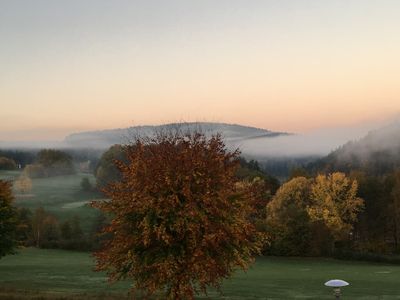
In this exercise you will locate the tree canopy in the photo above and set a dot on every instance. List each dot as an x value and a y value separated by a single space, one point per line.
335 203
307 216
8 220
55 162
7 163
106 171
50 162
287 220
180 220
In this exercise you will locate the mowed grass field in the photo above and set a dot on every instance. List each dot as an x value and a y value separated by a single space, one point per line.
61 196
67 275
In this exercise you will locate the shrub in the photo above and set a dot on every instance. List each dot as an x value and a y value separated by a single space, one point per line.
86 185
7 164
35 171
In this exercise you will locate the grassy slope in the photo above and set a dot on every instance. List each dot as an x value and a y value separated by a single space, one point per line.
60 195
64 272
9 175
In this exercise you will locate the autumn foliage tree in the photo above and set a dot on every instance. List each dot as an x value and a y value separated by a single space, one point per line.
335 203
180 220
308 216
288 222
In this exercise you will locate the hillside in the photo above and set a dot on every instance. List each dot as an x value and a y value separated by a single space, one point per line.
377 153
233 134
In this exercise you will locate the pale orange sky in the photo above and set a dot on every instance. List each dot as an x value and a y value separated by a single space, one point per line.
281 65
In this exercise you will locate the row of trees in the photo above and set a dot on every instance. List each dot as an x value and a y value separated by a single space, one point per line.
22 227
18 157
45 163
88 158
375 232
43 230
50 162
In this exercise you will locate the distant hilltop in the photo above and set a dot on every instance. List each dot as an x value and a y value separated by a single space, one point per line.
233 134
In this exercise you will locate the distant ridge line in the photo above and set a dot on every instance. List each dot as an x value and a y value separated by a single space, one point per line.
108 137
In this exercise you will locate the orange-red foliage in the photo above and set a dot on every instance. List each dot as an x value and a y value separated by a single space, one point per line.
180 220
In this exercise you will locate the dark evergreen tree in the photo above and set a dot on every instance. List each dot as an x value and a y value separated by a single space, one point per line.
8 220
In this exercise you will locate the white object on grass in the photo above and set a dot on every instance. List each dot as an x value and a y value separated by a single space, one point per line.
336 283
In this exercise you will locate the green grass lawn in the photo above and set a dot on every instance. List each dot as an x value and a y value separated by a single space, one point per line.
68 273
62 196
54 271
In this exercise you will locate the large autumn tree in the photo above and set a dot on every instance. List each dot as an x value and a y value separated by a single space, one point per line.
8 220
180 220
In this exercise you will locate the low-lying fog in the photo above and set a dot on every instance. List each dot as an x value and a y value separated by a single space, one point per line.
318 142
314 143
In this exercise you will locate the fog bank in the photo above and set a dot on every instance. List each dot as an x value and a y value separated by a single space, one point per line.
319 142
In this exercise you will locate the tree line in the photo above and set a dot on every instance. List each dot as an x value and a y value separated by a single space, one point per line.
376 230
50 162
42 229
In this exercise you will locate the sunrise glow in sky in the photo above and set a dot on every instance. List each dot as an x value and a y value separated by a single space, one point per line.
68 66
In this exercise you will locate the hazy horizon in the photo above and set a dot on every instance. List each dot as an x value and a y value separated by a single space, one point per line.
252 143
291 66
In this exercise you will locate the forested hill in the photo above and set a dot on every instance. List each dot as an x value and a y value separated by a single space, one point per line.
377 153
232 133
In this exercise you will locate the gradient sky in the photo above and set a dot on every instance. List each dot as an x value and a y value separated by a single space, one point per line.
68 66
